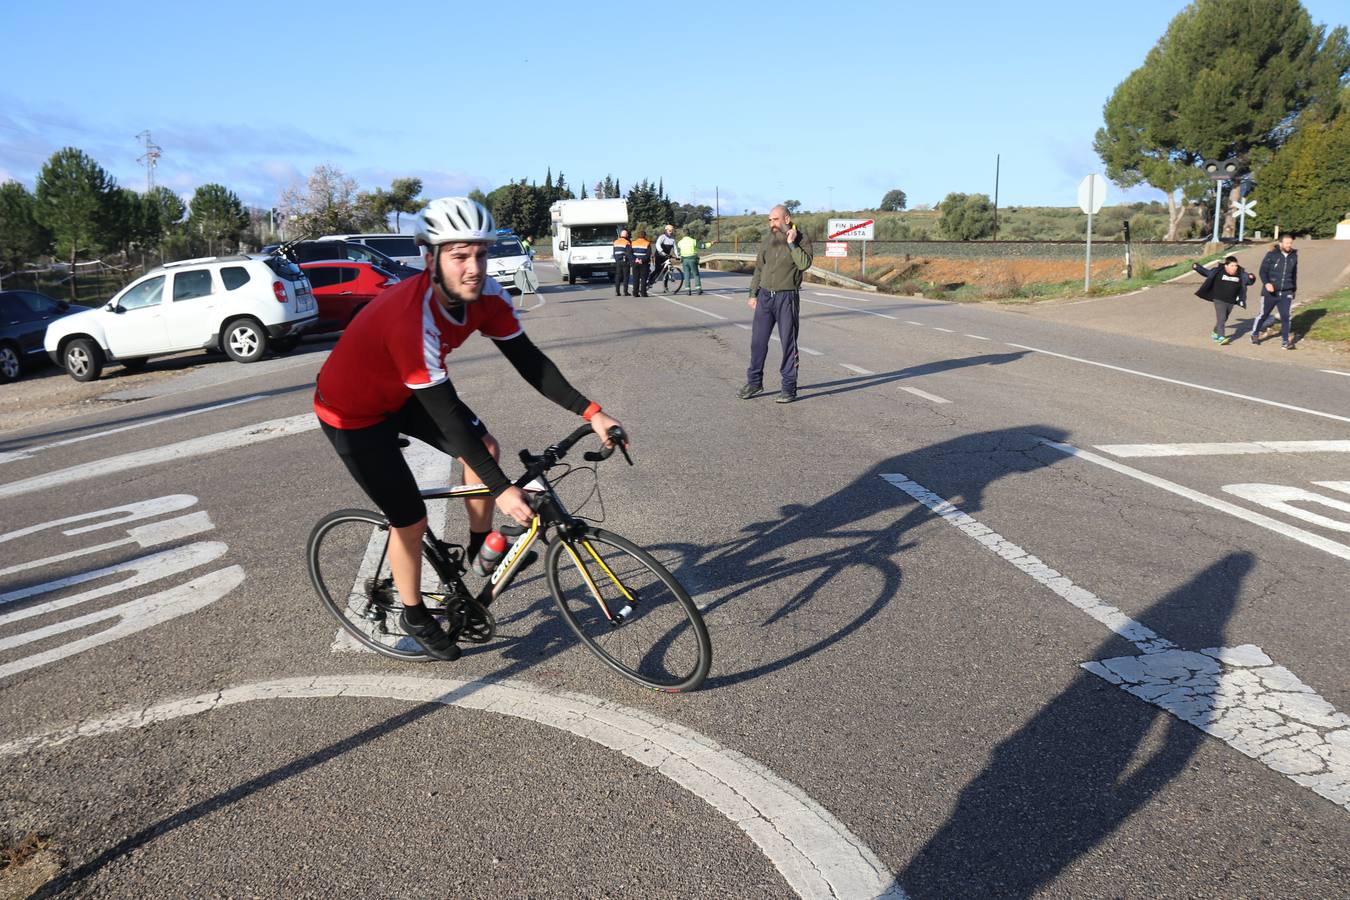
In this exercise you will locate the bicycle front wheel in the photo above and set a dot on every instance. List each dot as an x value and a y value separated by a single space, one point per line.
674 278
629 610
348 556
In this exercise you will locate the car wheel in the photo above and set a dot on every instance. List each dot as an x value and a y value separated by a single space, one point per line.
84 359
136 364
10 364
286 344
571 278
244 341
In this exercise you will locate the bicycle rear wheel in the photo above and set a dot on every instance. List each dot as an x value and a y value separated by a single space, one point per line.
629 610
675 278
349 567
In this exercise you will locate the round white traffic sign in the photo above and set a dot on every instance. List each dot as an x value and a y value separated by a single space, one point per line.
1092 194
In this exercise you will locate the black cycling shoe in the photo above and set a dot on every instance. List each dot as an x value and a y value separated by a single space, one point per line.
750 390
431 637
785 397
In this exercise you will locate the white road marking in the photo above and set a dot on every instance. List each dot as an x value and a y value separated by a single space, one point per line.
695 309
743 325
1236 694
932 398
842 296
1198 387
1281 498
248 435
977 337
807 350
814 852
1246 515
1334 372
944 330
865 312
27 452
1242 447
912 322
857 370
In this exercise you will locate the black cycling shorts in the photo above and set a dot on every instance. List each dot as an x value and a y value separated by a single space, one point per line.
374 458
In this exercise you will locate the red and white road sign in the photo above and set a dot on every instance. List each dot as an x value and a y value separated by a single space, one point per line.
836 249
850 230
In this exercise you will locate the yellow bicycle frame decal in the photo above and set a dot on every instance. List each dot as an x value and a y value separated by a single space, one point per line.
615 578
585 573
514 555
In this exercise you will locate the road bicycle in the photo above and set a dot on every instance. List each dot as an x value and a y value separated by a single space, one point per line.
626 607
671 276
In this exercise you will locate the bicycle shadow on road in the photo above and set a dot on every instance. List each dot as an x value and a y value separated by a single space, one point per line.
762 595
1087 761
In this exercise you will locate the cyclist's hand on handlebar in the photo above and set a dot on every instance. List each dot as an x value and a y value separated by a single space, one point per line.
601 424
512 503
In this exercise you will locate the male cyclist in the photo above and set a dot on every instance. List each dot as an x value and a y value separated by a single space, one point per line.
387 376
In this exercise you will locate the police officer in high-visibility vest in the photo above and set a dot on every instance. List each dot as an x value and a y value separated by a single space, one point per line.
686 248
642 263
623 262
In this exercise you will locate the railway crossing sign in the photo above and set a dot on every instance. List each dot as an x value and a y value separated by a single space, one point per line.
1242 209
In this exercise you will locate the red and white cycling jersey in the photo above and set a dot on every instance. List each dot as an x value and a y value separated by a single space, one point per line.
397 344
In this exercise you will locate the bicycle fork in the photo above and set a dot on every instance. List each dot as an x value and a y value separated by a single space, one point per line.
615 618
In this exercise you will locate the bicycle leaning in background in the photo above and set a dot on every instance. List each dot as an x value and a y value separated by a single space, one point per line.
626 607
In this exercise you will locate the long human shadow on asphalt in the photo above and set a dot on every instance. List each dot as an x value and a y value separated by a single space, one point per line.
845 385
1087 761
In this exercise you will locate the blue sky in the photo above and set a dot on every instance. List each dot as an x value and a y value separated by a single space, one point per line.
829 104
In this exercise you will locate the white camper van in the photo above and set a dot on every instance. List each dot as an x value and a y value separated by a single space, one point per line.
583 236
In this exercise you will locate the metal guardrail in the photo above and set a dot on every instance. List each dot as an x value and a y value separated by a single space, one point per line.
825 274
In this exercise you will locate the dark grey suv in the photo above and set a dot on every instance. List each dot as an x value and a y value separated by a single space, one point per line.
24 316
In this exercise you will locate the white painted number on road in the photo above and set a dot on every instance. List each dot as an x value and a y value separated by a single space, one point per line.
130 616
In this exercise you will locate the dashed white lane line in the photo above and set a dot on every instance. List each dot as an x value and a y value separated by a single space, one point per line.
696 309
175 453
865 312
931 398
944 330
1236 694
1198 387
912 322
814 852
857 370
841 296
26 452
1228 449
977 337
1246 515
1334 372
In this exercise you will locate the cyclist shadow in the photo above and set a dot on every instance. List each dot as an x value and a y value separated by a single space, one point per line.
762 574
1086 762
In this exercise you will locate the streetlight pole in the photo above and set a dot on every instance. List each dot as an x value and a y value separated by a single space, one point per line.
997 159
1220 172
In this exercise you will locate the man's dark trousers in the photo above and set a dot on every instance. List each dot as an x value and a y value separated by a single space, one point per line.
621 276
641 273
774 308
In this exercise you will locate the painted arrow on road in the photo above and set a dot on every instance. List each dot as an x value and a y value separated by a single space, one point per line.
1237 694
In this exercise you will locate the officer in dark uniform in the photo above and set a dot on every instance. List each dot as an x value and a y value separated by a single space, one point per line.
642 263
623 260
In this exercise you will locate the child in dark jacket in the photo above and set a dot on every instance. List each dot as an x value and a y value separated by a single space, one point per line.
1225 286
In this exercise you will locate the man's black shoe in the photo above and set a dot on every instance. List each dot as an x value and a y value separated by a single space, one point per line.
431 637
750 390
785 397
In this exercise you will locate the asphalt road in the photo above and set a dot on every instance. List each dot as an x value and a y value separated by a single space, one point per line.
959 596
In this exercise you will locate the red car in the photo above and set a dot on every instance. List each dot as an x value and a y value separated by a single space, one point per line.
342 287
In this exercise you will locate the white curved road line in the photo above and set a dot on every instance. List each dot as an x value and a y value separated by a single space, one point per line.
813 851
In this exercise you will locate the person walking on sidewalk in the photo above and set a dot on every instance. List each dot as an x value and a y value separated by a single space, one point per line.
1279 278
623 251
686 248
775 296
642 263
1225 285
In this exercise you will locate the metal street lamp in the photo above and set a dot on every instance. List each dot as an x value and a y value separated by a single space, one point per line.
1220 172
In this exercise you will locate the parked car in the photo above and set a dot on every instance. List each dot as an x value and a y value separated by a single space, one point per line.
401 247
301 252
24 317
240 305
505 258
342 288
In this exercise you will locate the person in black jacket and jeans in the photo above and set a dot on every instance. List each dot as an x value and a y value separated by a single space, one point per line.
1279 278
1225 286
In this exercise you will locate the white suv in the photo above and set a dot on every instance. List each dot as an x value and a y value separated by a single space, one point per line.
237 304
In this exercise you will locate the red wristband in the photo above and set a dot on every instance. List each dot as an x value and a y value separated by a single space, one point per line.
591 411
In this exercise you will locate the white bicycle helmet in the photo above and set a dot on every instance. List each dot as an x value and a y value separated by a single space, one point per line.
455 219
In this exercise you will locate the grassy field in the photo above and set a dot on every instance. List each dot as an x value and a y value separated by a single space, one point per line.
1326 320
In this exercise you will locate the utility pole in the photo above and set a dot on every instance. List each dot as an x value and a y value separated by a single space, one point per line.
150 157
997 160
717 219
